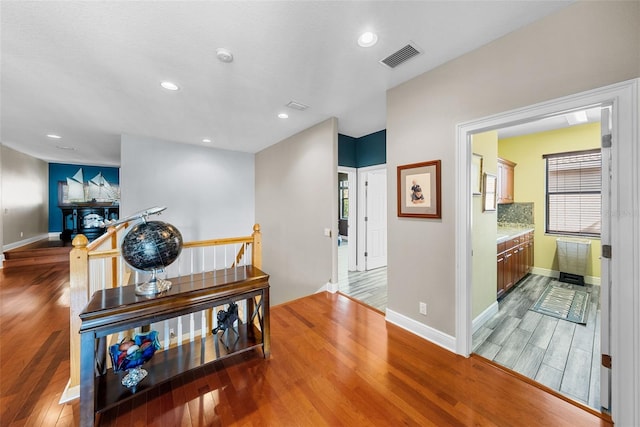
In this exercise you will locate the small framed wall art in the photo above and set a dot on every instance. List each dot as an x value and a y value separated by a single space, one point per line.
419 190
476 174
489 193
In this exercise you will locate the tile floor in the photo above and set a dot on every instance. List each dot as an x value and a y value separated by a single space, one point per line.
369 287
562 355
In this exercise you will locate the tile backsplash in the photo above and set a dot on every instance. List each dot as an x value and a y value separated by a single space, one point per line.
516 214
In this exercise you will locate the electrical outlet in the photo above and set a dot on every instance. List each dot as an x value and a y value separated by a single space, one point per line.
423 308
172 333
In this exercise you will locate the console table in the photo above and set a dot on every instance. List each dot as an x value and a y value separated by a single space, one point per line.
85 219
119 309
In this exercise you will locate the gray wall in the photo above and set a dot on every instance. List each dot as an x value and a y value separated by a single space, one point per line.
1 209
209 193
25 197
584 46
296 199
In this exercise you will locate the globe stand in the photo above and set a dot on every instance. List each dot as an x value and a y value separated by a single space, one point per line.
154 286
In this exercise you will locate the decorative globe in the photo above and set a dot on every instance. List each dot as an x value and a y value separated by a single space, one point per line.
151 246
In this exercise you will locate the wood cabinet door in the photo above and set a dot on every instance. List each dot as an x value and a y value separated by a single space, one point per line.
506 175
509 271
501 270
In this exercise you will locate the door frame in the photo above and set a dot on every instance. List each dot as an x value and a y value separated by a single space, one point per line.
352 220
624 334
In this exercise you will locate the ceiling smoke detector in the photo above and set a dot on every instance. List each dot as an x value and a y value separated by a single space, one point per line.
297 106
224 55
401 56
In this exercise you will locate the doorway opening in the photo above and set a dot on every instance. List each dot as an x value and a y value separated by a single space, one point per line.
616 343
362 239
516 264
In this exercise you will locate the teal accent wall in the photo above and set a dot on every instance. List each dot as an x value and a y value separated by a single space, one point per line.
372 149
347 151
365 151
60 172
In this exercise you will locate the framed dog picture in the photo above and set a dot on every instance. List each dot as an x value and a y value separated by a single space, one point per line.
419 190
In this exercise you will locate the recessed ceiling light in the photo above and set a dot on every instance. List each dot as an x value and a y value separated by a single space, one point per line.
224 55
169 85
283 115
53 136
367 39
206 140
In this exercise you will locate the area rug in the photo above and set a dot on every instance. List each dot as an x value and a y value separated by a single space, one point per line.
563 303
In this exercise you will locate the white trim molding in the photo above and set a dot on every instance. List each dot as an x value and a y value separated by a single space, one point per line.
25 242
485 316
623 339
69 393
329 287
428 333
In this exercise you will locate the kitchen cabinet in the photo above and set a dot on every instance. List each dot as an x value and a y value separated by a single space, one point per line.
506 171
514 260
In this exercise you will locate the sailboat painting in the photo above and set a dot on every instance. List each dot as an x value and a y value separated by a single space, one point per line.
95 190
100 190
75 187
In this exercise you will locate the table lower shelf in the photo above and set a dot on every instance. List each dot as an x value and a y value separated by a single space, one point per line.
167 364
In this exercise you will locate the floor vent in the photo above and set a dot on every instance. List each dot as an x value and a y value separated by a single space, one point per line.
401 56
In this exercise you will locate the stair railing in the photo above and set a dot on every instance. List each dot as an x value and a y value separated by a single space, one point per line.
99 265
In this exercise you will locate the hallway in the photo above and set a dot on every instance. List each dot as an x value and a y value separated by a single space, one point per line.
369 287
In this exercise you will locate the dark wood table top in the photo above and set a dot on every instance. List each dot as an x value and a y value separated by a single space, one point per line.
107 306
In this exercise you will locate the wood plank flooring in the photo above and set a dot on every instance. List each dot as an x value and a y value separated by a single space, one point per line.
559 354
368 287
45 251
334 362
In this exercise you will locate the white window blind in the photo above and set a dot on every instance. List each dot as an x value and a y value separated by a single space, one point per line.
573 193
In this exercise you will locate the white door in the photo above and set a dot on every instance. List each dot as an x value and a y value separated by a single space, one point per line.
605 263
376 219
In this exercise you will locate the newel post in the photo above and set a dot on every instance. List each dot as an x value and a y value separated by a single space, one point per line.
256 248
79 290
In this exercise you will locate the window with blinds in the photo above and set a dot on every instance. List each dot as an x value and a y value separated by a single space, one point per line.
573 193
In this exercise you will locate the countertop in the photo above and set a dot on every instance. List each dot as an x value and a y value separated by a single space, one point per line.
508 232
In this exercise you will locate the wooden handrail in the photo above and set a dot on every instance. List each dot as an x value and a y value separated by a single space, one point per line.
218 242
106 247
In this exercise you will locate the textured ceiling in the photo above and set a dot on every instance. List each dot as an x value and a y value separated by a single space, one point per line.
90 71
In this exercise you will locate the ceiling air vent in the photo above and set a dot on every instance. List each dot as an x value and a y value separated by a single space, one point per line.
401 56
297 105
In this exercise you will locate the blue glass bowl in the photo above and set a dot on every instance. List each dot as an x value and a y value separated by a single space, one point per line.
131 353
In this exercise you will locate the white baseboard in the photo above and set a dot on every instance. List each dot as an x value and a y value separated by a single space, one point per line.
485 316
54 235
428 333
25 242
69 393
328 287
591 280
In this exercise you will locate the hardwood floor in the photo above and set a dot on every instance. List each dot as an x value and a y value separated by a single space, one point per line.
43 251
559 354
334 362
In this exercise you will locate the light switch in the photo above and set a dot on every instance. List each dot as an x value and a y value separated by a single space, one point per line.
327 232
